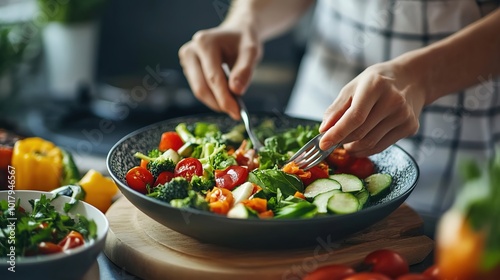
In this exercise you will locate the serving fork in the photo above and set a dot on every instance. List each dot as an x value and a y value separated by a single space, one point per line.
257 145
311 154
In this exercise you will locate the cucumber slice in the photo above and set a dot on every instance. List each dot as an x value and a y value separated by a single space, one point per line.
343 203
242 192
362 196
321 200
321 186
240 211
378 184
349 182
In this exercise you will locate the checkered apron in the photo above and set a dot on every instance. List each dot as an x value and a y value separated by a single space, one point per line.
349 35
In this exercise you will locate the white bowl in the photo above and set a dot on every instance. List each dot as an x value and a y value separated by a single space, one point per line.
71 264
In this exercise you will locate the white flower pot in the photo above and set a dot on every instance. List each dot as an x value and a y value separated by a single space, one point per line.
70 53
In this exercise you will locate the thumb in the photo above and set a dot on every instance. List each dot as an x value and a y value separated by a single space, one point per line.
241 73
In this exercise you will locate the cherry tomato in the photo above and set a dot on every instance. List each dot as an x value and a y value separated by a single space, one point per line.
317 172
414 276
433 272
187 167
387 262
170 140
330 272
361 167
163 178
72 240
367 276
339 158
138 178
47 248
231 177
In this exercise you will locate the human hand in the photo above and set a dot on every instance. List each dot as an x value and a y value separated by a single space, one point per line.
201 60
375 110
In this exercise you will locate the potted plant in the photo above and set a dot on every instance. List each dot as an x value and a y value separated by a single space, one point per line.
70 42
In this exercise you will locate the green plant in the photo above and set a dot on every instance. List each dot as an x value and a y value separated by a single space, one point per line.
71 11
11 49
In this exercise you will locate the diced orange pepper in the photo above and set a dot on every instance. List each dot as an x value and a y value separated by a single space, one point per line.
257 204
266 214
219 200
299 195
144 163
293 168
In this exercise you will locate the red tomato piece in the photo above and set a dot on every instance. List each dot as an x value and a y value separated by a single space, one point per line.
367 276
47 248
170 140
317 172
231 177
387 262
163 178
72 240
187 167
339 158
362 167
414 276
433 272
330 272
138 178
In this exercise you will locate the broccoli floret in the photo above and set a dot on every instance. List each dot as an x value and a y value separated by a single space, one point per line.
235 135
194 200
177 188
203 183
163 162
213 156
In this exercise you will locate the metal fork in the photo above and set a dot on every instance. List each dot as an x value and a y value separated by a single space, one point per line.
311 154
257 145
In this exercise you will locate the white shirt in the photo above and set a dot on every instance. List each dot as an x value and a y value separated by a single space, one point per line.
350 35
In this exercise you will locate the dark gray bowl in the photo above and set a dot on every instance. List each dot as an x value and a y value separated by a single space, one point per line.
217 229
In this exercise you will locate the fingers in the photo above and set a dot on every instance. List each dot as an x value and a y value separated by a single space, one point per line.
363 99
192 70
248 56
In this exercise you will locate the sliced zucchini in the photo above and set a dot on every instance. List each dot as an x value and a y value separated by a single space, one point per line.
321 200
321 186
378 184
363 197
240 211
343 203
349 182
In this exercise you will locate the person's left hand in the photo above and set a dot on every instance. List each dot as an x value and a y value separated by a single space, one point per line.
375 110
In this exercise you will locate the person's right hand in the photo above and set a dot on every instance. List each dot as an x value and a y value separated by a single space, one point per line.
202 58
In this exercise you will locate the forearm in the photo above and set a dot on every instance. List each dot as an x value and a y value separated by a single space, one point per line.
268 18
458 61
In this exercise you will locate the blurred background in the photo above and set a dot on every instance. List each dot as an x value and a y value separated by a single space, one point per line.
84 73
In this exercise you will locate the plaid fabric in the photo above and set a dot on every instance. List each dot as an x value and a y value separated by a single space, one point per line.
350 35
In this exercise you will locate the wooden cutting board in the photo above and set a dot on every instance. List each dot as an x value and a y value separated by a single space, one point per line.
149 250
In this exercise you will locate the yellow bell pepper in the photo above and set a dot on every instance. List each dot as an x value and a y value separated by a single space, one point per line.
99 190
38 164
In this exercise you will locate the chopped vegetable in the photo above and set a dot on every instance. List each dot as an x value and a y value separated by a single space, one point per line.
163 162
177 188
38 164
99 189
43 230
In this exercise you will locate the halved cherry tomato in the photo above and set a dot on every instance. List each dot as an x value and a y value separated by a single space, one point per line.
138 178
387 262
367 276
47 248
72 240
170 140
187 167
164 177
361 167
330 272
339 158
231 177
